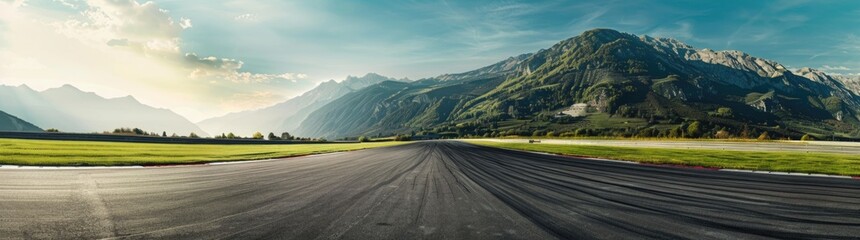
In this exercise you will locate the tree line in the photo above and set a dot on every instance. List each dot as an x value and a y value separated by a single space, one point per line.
284 136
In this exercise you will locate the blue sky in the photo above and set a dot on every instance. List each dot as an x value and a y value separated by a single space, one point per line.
426 38
206 58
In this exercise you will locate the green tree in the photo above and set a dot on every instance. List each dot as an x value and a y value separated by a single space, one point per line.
675 132
273 137
694 130
193 135
363 139
231 136
724 112
257 135
579 132
806 137
286 136
745 133
52 130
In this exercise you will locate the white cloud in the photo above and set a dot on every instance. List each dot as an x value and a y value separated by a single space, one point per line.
681 30
835 68
247 17
151 30
67 3
142 27
148 29
124 47
185 23
229 69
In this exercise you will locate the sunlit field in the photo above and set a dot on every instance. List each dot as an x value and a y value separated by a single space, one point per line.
826 163
84 153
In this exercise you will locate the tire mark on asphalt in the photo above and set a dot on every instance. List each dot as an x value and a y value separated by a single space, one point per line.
551 190
89 195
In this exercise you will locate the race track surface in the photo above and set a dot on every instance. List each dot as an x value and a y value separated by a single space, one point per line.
431 189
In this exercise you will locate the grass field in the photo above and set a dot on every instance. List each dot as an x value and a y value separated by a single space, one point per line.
826 163
83 153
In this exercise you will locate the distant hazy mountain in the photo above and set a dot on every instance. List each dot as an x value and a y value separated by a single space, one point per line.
394 106
15 124
286 116
71 110
661 81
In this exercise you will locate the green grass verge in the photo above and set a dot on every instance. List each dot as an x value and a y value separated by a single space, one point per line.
826 163
84 153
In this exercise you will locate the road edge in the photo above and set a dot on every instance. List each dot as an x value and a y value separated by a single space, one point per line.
799 174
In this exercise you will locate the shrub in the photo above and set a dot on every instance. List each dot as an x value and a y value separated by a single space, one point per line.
724 112
763 136
401 138
694 130
722 134
806 137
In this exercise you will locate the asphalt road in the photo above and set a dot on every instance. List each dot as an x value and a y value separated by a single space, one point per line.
434 190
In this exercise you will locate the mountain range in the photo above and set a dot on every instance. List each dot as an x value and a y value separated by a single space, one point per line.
632 86
286 116
600 83
15 124
69 109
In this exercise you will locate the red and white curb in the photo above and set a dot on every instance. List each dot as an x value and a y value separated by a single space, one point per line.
697 167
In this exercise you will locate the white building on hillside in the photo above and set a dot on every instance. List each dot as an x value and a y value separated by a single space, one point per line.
577 110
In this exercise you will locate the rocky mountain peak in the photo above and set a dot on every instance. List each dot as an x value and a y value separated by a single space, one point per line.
368 79
730 58
509 65
739 60
811 74
851 82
